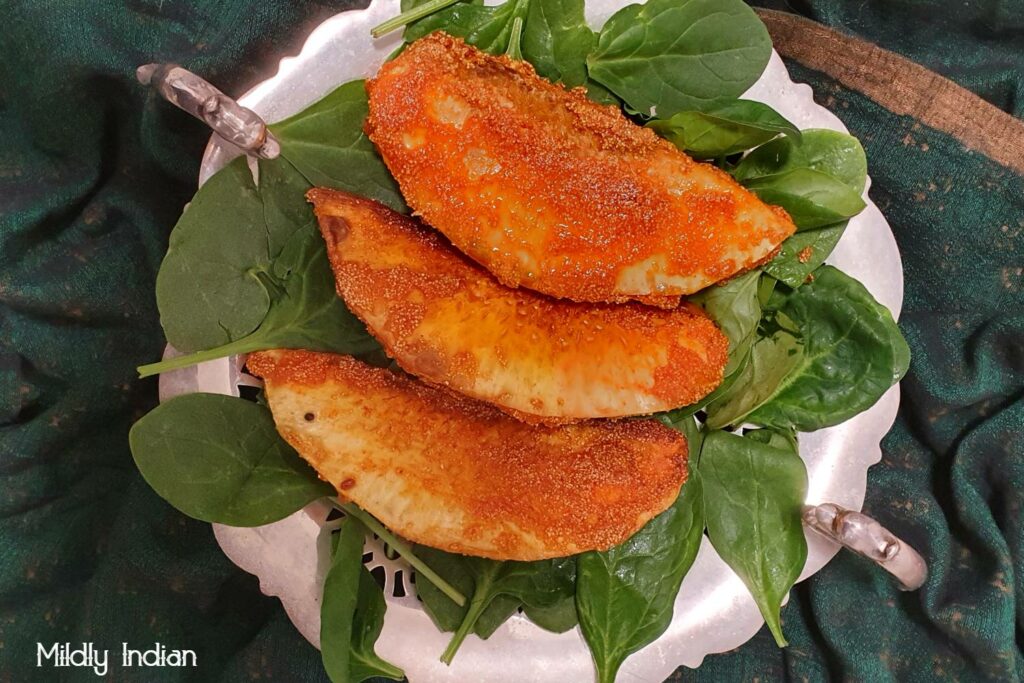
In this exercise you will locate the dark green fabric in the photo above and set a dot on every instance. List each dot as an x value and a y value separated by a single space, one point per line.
951 480
93 173
980 45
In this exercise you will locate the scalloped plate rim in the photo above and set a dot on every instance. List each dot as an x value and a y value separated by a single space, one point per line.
248 548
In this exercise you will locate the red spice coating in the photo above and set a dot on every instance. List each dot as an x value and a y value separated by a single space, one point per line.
446 320
553 192
460 475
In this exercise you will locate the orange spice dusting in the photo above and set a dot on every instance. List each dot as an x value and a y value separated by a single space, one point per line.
446 320
553 192
519 491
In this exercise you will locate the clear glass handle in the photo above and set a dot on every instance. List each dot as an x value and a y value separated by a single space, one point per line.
238 125
866 537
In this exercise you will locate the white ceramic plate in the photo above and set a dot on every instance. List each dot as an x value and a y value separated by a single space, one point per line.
713 612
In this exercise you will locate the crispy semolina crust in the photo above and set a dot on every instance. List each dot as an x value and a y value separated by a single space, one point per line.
553 192
460 475
447 321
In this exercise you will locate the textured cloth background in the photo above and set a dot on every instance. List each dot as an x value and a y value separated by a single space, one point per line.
94 172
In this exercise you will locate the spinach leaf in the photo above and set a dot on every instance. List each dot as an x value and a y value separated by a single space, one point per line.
818 149
446 613
778 438
600 94
776 299
753 494
220 459
352 613
813 199
501 609
208 289
515 36
489 28
411 12
305 312
734 307
724 129
836 154
625 595
772 359
668 56
497 590
325 142
766 288
557 40
557 618
852 353
683 421
802 253
245 269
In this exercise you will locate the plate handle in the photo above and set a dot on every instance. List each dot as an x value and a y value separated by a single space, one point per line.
238 125
866 537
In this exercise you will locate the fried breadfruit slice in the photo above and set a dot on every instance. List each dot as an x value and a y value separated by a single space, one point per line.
446 320
554 192
460 475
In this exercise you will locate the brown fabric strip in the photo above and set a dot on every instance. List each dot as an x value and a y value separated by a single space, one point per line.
900 85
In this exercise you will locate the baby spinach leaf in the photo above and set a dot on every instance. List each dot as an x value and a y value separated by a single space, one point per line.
724 129
557 40
515 34
411 12
600 94
802 253
220 459
753 494
325 142
682 420
208 289
734 307
766 288
778 438
818 149
487 575
668 56
501 609
538 583
852 353
771 360
836 154
244 259
446 614
352 613
557 618
489 28
770 320
811 198
625 595
305 311
497 590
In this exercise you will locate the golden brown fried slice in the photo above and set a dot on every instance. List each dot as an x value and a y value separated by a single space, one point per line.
456 474
445 319
553 192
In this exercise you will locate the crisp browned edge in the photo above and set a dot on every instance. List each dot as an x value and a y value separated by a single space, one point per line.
900 85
